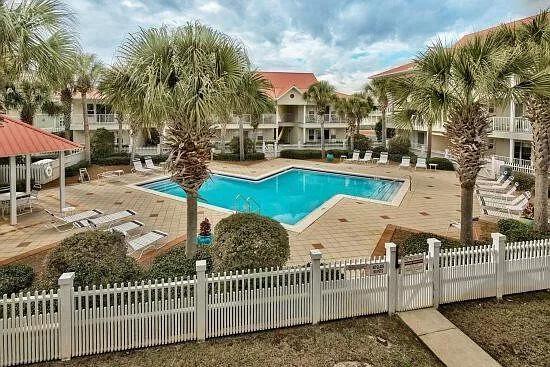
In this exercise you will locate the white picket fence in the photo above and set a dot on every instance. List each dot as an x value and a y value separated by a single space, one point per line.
82 321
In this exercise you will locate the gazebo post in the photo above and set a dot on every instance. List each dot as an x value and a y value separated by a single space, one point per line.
61 182
13 192
28 174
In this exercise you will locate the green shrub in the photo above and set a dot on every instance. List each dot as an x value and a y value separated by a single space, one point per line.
526 181
377 150
96 257
15 278
114 160
337 152
175 263
249 241
102 143
75 169
417 243
400 144
378 129
361 142
398 157
517 231
235 148
300 153
443 164
159 158
256 156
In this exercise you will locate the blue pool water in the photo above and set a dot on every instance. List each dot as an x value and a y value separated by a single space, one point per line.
288 196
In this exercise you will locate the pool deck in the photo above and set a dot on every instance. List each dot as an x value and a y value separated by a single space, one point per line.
349 229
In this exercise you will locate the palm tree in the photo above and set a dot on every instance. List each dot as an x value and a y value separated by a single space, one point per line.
354 109
379 90
30 97
88 72
529 88
186 78
322 94
344 110
36 42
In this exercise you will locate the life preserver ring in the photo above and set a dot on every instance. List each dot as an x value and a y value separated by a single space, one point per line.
48 171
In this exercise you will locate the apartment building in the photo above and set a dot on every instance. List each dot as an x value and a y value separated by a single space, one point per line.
510 137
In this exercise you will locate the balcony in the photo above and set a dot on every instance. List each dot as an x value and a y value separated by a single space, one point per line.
53 124
502 125
326 118
96 121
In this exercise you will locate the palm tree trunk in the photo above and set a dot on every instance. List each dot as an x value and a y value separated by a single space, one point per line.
87 151
120 132
191 243
67 101
241 139
384 126
429 143
466 213
224 132
322 137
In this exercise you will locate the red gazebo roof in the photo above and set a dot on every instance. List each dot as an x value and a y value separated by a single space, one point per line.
19 138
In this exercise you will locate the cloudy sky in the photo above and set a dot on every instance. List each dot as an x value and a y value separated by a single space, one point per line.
342 41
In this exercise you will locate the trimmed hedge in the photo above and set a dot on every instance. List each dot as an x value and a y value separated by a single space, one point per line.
15 278
75 169
443 164
526 181
517 231
102 143
97 257
235 146
175 263
258 156
399 145
114 160
377 150
417 243
249 241
310 153
361 142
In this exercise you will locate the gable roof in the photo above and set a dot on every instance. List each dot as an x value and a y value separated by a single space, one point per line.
395 70
19 138
283 81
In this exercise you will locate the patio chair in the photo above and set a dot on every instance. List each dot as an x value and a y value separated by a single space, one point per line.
83 175
150 165
144 242
498 181
367 157
126 228
383 158
139 169
497 187
70 220
354 157
106 220
499 195
405 162
504 202
504 210
421 163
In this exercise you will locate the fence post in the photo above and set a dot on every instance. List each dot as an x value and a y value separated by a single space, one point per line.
316 256
391 259
65 310
434 246
200 300
499 247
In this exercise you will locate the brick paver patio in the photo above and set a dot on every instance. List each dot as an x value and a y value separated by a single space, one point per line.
350 229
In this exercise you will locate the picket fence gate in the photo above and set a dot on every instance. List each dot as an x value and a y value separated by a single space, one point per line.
82 321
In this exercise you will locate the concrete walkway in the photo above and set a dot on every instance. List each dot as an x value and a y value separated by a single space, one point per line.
445 340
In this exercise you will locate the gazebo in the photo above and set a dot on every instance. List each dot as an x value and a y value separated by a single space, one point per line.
20 139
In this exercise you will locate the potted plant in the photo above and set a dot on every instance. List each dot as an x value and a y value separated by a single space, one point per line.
205 233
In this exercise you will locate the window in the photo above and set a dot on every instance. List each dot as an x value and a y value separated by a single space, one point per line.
90 109
327 134
260 138
522 150
519 110
310 134
421 137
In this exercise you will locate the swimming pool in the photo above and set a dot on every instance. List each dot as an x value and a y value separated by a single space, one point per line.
287 196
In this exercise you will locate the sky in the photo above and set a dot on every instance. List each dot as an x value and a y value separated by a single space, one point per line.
342 41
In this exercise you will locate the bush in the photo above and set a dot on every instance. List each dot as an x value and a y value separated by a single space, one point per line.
102 143
96 257
378 129
249 241
256 156
159 158
175 263
400 144
235 147
517 231
398 157
300 154
526 181
75 169
377 150
361 142
114 160
21 185
417 243
443 164
15 278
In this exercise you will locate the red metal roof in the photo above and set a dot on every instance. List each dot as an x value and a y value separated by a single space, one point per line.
486 31
396 70
282 81
19 138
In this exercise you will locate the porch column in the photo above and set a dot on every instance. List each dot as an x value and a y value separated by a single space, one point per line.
28 174
61 182
13 192
511 151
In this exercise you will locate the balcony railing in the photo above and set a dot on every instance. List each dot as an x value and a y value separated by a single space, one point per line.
327 118
46 122
102 118
502 124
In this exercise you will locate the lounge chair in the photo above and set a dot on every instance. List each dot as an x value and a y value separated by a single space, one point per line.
126 228
498 181
383 158
499 195
138 168
150 165
504 210
496 202
405 162
367 157
497 187
354 157
421 163
145 241
70 221
106 220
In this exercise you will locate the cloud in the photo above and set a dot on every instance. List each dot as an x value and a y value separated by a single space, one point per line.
340 41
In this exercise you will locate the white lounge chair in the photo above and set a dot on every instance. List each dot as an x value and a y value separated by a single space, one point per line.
504 196
496 202
504 210
405 162
106 220
145 241
138 168
421 163
367 157
383 158
69 221
127 227
150 165
498 181
497 187
354 157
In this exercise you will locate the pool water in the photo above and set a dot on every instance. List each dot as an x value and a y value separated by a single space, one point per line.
288 196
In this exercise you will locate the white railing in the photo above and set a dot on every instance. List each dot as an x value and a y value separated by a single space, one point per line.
101 118
326 118
268 118
44 121
522 125
81 321
516 164
502 124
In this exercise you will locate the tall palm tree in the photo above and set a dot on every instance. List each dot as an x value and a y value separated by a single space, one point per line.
533 39
344 111
183 77
322 94
354 109
37 42
29 97
88 73
379 90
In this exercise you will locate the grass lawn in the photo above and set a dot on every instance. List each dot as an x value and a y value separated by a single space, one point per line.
377 340
514 331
